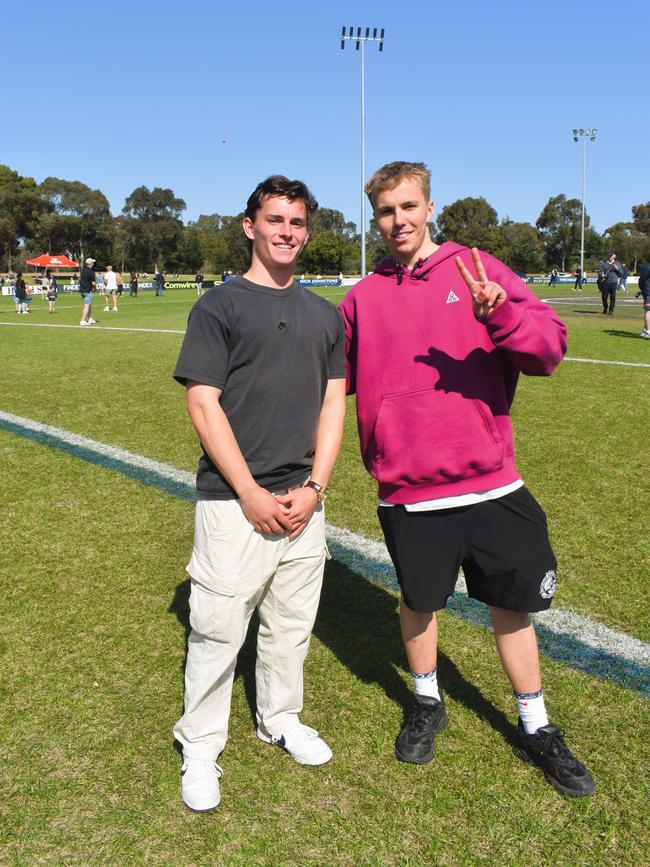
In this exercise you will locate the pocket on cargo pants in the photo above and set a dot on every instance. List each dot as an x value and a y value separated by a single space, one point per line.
212 610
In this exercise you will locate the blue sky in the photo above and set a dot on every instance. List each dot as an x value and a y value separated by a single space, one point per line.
208 98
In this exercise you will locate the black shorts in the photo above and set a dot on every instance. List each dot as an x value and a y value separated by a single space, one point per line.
502 545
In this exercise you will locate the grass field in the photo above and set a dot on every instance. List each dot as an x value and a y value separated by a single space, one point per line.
94 623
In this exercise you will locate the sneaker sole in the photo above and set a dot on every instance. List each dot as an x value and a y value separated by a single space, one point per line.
571 793
440 726
327 757
202 809
412 761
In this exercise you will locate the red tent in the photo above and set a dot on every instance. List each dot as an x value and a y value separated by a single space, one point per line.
47 261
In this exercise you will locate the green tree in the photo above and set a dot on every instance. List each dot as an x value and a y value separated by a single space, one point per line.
214 252
207 224
518 245
330 220
74 217
154 226
214 249
114 238
188 256
324 254
469 221
559 224
630 245
641 217
376 250
20 209
232 234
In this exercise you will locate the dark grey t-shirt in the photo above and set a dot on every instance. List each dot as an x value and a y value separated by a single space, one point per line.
272 352
86 280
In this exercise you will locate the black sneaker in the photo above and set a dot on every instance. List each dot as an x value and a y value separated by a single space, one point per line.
416 742
547 750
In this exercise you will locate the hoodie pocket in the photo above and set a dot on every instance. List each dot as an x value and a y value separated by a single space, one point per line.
435 436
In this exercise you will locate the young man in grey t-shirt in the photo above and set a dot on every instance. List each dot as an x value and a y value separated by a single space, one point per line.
264 367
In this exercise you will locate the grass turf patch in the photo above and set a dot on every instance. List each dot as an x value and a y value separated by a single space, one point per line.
95 624
94 614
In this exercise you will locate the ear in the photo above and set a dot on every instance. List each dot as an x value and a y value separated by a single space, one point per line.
247 225
431 209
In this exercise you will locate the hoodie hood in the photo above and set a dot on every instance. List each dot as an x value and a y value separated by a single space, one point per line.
390 267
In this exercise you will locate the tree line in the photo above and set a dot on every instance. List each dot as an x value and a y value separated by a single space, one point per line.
62 216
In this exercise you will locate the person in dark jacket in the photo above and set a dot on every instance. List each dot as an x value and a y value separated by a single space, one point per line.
644 291
609 274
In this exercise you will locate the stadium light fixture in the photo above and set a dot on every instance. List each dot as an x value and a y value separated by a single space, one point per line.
583 134
348 35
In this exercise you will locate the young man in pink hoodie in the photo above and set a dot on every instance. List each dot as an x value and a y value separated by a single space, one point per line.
436 338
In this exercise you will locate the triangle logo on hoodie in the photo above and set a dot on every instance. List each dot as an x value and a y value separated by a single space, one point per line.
452 297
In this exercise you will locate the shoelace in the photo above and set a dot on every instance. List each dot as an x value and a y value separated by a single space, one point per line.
305 732
301 732
555 747
419 719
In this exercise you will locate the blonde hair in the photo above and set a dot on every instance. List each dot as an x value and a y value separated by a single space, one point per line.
388 177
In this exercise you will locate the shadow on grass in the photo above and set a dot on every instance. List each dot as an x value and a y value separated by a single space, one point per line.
358 621
615 333
589 312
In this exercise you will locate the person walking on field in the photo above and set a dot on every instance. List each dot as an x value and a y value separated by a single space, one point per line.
159 282
87 284
110 289
199 283
133 285
580 276
436 339
609 274
263 364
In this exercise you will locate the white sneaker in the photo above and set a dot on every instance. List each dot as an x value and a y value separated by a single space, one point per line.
645 334
200 784
83 322
114 310
106 309
92 321
302 743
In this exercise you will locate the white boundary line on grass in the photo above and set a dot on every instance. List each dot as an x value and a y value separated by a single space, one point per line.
601 361
93 327
172 331
577 637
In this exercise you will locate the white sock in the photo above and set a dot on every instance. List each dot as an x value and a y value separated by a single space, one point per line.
426 684
532 711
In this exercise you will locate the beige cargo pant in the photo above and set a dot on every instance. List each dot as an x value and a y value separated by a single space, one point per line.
234 570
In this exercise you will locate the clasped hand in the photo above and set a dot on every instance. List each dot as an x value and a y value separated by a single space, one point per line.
277 515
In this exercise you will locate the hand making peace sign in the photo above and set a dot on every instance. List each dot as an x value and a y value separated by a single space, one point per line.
486 295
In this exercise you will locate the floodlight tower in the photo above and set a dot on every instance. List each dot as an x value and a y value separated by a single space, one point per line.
583 134
360 41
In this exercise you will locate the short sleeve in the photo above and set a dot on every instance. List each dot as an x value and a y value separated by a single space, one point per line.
205 352
337 363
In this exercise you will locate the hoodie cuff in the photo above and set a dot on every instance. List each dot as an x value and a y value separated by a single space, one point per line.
503 321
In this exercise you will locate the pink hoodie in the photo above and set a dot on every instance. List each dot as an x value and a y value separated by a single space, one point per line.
434 386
